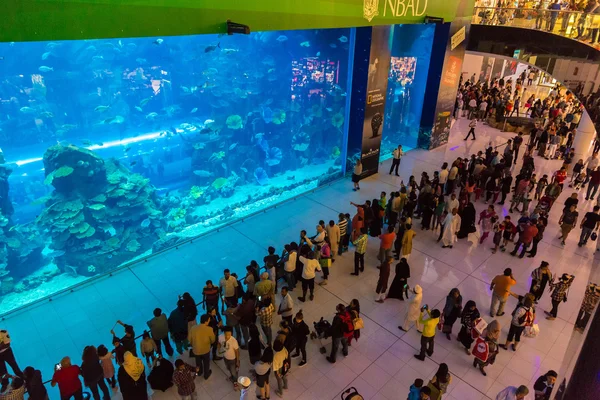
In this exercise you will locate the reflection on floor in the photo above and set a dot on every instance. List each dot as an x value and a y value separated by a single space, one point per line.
381 364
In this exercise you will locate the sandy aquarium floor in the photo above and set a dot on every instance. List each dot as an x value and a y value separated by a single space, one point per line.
381 364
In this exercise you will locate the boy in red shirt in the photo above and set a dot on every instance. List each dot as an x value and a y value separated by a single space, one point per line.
560 176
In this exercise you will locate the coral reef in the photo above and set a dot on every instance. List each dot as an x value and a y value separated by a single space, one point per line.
100 223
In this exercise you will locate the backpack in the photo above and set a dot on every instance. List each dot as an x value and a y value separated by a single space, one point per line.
527 318
347 326
481 350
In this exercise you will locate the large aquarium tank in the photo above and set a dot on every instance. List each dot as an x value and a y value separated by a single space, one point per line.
112 150
407 80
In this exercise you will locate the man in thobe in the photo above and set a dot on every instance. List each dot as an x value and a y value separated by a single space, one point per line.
451 226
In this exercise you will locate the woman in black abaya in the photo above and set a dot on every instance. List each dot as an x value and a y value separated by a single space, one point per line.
399 288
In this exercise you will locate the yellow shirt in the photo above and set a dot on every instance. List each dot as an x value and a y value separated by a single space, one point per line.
201 337
429 324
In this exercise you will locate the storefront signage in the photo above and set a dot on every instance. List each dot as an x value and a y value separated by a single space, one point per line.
36 20
458 38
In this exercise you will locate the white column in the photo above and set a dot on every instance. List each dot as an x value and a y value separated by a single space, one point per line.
584 137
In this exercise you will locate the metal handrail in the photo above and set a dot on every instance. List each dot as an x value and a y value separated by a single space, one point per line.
572 24
176 246
135 338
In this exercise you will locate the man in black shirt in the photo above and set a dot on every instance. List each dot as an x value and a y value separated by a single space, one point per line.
517 142
590 222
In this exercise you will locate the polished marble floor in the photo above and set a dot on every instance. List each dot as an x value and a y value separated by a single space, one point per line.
381 365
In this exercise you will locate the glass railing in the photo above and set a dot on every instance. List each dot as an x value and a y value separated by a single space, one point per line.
577 25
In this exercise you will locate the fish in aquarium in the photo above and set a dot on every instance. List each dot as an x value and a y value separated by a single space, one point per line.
117 148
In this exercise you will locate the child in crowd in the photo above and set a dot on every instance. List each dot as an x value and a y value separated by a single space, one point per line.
108 367
415 390
541 186
383 200
579 181
148 348
497 229
508 233
577 169
532 183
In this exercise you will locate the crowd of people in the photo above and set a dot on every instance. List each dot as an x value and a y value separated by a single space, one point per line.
238 313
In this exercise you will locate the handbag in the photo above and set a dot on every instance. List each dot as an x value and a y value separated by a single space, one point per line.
481 350
594 236
358 323
325 262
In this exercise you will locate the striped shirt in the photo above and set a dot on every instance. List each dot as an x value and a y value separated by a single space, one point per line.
343 225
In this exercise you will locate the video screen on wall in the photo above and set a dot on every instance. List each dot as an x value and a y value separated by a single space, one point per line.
402 71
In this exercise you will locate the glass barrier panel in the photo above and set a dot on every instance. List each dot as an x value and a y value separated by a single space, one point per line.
112 150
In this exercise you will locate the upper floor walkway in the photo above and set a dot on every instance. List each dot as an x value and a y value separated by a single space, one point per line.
576 25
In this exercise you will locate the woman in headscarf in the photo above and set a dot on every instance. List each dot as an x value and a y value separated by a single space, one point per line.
399 288
132 379
377 221
468 319
492 335
467 225
452 311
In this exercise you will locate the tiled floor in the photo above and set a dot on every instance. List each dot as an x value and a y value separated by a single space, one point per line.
381 364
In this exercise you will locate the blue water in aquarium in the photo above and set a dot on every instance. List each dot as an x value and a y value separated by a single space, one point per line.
114 149
409 67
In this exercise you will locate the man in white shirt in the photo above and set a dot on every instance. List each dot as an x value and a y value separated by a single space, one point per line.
397 154
443 176
228 285
452 177
472 126
310 265
451 203
590 166
472 108
514 393
228 346
483 109
289 266
286 306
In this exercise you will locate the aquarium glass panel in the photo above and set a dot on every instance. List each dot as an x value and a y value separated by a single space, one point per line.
411 52
112 150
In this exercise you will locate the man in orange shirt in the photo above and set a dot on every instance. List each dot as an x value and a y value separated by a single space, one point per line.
385 247
500 288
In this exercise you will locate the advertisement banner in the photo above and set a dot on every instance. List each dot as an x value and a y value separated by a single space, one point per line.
38 20
455 53
379 65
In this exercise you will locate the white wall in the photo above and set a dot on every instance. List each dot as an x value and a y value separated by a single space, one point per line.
471 65
571 72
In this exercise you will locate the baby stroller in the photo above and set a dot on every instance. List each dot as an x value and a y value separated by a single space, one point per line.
321 331
545 204
351 394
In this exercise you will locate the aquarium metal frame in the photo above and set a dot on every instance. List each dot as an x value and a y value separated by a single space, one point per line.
351 48
129 264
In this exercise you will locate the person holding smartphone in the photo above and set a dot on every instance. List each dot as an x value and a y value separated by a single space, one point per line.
428 334
66 376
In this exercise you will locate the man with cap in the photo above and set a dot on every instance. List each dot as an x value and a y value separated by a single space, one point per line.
245 391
